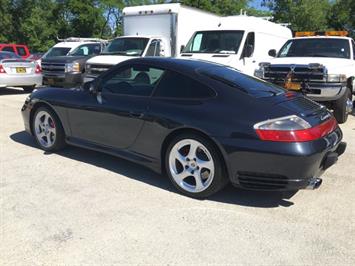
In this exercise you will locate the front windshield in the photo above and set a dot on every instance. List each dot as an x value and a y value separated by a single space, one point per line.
316 47
216 42
126 46
248 84
57 51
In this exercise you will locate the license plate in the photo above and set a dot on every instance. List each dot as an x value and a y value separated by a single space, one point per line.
20 70
293 86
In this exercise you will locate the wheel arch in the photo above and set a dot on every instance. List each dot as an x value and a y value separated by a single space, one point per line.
222 154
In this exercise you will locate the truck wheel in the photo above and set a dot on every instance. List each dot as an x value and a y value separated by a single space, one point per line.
343 107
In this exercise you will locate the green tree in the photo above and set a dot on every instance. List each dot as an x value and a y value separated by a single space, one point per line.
6 26
303 15
342 15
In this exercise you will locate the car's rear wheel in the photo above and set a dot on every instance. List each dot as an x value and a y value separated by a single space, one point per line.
343 106
28 88
48 130
195 166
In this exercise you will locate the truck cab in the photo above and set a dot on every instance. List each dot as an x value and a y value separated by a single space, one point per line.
321 67
124 48
64 64
237 41
19 49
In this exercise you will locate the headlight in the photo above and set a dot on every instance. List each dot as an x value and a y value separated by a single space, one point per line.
72 67
336 78
259 73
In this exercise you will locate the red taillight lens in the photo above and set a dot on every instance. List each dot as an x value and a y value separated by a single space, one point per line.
298 131
38 69
2 70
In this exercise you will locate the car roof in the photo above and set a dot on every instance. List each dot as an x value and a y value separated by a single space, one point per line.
180 64
322 37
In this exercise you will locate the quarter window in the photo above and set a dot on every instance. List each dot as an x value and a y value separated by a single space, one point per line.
249 45
132 80
175 85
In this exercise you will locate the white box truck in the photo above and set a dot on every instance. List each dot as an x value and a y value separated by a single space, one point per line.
151 30
238 41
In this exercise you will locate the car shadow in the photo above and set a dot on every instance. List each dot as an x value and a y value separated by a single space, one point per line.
12 91
229 195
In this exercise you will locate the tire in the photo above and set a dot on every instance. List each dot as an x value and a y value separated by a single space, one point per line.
48 130
28 88
341 111
200 176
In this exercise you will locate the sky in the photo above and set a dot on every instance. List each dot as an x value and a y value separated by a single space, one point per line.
257 4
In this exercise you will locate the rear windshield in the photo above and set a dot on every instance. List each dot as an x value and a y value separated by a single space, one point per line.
316 47
57 51
250 85
8 55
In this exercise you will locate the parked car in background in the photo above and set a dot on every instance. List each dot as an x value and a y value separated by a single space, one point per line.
64 64
322 67
151 30
237 41
201 123
19 49
17 72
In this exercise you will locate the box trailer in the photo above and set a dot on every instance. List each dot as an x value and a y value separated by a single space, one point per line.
151 30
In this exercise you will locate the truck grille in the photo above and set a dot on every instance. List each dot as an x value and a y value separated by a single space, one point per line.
278 73
97 69
53 68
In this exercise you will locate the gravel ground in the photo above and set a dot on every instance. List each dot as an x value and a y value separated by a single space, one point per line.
80 207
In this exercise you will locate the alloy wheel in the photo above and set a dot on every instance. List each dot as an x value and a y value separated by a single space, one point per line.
191 165
45 129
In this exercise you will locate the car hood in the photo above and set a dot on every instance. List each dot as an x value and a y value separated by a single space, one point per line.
109 59
333 65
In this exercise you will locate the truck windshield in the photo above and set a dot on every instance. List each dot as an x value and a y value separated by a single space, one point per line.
248 84
216 42
57 51
316 47
126 46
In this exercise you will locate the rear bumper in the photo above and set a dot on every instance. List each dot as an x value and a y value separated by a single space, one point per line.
280 166
65 80
21 80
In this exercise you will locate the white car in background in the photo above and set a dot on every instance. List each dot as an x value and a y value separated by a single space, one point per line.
17 72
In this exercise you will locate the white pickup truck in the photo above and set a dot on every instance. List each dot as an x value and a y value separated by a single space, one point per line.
322 67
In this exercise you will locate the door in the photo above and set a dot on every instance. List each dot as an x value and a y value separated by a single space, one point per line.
116 115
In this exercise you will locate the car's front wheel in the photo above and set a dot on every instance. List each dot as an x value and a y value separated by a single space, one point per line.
195 166
48 130
343 107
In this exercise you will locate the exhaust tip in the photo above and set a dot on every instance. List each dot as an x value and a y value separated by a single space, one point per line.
314 183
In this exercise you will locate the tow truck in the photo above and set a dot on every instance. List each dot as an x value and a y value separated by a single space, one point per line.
321 65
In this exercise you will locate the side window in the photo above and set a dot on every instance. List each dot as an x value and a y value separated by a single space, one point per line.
21 51
353 43
8 49
175 85
132 80
154 48
249 45
94 49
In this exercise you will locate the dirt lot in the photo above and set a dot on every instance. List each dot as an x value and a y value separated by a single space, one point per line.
80 207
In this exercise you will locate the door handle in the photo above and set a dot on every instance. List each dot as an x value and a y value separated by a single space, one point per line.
136 115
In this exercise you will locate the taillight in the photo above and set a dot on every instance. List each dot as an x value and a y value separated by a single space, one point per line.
38 69
2 70
293 129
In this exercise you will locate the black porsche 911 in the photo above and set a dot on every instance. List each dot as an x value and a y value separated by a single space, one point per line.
202 124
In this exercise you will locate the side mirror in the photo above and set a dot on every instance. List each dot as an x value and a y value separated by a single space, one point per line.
90 86
272 53
182 48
